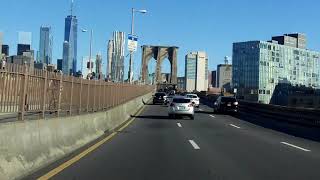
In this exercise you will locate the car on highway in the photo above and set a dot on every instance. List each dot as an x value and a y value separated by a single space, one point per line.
195 99
226 104
159 98
181 106
169 99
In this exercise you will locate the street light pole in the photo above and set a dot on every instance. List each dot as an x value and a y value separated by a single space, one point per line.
130 73
90 51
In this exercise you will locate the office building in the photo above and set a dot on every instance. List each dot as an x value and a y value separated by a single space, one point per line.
98 69
117 63
23 48
70 44
1 41
209 79
214 78
224 75
109 58
260 66
181 82
59 64
27 58
45 45
196 71
67 63
296 40
24 42
5 49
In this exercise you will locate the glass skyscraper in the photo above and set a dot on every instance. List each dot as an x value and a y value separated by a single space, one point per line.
45 45
70 45
260 66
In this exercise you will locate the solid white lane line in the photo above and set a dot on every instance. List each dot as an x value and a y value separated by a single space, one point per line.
179 125
234 126
303 149
212 116
195 145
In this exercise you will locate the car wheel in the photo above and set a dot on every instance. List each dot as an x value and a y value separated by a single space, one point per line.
192 117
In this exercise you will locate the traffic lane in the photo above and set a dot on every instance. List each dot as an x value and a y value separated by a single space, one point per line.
153 147
255 157
266 134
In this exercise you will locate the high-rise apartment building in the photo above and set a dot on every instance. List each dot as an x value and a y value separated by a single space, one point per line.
259 67
117 63
70 50
45 45
196 71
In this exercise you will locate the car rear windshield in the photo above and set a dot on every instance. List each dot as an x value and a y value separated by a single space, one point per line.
160 94
192 96
228 99
181 100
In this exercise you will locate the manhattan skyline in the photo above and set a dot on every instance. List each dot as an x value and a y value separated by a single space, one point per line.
201 25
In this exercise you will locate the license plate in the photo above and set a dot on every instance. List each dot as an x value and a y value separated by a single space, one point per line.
181 108
229 105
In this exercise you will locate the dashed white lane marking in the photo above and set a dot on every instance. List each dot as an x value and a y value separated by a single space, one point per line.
179 125
291 145
194 144
234 126
212 116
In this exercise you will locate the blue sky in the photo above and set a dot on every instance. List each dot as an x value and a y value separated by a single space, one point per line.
208 25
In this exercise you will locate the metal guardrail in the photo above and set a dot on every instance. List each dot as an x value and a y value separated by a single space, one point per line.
25 90
302 116
309 117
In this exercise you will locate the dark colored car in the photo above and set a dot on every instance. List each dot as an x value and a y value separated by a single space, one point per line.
159 98
226 104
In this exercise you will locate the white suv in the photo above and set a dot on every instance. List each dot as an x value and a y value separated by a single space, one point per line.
195 99
181 106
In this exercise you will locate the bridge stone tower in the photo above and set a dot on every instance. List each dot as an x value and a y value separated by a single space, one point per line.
159 53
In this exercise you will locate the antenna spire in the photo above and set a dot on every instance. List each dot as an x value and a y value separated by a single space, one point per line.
71 10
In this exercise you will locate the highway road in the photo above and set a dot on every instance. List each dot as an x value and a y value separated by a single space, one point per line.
211 147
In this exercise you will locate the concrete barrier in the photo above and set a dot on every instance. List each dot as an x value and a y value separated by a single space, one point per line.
30 145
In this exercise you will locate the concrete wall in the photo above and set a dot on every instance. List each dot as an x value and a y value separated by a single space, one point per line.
28 146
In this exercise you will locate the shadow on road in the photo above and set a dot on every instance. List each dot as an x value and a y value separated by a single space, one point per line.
307 132
203 112
151 117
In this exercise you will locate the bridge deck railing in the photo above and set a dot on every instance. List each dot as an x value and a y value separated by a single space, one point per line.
24 90
302 116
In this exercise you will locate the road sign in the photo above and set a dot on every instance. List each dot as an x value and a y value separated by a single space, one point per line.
132 43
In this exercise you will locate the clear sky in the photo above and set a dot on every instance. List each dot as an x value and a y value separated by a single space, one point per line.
208 25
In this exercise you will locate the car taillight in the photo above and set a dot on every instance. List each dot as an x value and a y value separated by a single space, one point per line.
171 105
235 103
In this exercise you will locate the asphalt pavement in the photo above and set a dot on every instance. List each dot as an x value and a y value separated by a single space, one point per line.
212 146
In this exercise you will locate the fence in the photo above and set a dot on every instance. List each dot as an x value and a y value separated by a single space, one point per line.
25 90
